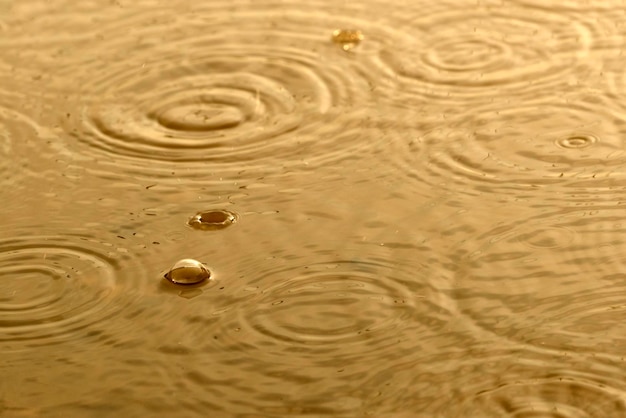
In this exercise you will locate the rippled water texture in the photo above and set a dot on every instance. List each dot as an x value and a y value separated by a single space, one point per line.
320 209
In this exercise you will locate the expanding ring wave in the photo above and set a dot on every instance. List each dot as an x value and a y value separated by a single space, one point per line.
571 255
525 390
511 149
473 53
254 100
354 309
56 287
198 119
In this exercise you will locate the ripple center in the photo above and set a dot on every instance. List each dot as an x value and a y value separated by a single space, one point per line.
200 117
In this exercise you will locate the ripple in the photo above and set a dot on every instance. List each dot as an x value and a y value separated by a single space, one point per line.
573 5
187 122
514 382
551 280
334 305
318 307
339 312
472 53
317 326
58 286
556 397
576 140
528 391
516 148
546 237
348 310
253 96
226 123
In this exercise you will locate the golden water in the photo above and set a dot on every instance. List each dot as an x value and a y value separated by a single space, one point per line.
419 208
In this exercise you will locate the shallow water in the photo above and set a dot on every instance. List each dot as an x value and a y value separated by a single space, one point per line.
420 215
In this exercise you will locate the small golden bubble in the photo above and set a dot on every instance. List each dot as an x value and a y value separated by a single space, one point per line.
212 220
188 271
348 38
579 140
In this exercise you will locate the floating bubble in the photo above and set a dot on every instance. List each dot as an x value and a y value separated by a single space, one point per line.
348 38
188 271
580 140
212 220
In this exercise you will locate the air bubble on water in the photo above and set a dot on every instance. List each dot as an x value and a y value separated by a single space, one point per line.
188 271
577 141
347 38
212 220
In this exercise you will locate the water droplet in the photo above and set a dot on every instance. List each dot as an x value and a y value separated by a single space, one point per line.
188 271
348 38
212 220
581 140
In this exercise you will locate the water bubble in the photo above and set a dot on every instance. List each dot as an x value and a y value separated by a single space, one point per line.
348 38
581 140
212 220
188 271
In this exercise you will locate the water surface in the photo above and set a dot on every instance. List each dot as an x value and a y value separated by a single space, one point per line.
424 208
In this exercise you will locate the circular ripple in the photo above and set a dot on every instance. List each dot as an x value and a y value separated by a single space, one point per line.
190 120
510 149
485 378
576 141
319 308
465 54
546 237
55 287
254 95
527 391
551 280
352 309
331 304
557 397
574 5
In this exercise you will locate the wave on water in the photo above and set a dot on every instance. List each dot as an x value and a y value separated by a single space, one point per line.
474 54
549 280
58 288
259 93
511 149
